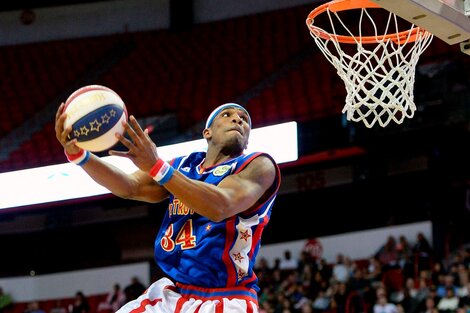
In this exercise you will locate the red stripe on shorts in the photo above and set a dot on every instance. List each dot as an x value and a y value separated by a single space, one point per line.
144 303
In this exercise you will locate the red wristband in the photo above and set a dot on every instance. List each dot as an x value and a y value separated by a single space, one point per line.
156 167
74 156
79 158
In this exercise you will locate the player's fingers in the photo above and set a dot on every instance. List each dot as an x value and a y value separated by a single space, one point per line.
126 142
59 129
71 143
124 154
64 135
136 126
71 146
59 111
130 130
59 123
146 133
67 132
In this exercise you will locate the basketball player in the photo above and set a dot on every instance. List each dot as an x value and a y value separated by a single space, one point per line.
219 203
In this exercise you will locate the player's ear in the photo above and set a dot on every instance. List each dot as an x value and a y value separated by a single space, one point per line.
207 133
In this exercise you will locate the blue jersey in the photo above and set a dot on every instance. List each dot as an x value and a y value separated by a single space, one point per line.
194 250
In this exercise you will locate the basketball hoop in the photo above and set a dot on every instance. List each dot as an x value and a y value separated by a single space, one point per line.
379 73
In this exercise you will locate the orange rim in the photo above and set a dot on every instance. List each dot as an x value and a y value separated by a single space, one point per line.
344 5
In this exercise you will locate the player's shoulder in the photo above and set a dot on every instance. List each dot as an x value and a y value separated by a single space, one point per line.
259 157
259 162
262 168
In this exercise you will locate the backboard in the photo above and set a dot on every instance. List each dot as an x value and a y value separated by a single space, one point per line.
449 20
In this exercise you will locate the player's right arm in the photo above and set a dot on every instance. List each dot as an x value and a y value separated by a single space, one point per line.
137 186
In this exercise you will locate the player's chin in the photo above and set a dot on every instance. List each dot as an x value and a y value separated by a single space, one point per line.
234 146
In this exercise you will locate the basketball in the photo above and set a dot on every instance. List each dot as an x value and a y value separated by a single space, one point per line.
95 113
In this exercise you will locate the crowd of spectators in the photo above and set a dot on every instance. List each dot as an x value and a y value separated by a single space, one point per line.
401 277
111 302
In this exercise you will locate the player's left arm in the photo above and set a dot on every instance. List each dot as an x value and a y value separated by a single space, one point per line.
234 194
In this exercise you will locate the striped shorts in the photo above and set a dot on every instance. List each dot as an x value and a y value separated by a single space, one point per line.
165 297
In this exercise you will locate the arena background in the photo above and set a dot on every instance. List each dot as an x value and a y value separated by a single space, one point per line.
175 60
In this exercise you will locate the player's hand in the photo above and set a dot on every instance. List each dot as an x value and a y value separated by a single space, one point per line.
142 150
62 134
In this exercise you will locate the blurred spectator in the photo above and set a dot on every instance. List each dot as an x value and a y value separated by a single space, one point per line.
454 271
277 261
317 284
422 292
266 298
449 303
322 302
288 263
264 273
408 302
283 304
447 283
405 295
404 248
423 252
437 273
325 270
405 257
400 308
307 259
382 305
266 307
374 272
289 285
464 301
33 307
429 306
58 307
5 301
134 289
433 294
340 269
411 286
466 257
306 306
358 282
80 305
115 299
339 298
388 254
307 275
277 280
464 275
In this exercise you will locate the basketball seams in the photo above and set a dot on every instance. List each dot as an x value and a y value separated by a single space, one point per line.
109 98
85 89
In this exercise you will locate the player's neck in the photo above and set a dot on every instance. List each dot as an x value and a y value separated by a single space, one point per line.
214 157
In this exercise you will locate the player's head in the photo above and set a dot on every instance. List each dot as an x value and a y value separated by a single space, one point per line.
222 107
224 119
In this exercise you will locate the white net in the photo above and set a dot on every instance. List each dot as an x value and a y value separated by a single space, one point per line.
378 70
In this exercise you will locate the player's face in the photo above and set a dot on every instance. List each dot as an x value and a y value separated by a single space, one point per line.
231 129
